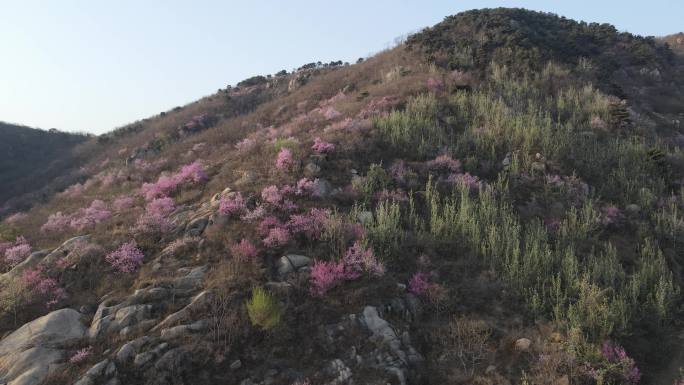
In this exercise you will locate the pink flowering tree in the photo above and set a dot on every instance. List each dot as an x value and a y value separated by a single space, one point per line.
44 287
232 205
284 161
309 225
244 251
155 220
127 258
81 355
90 216
419 284
358 260
56 222
17 252
189 174
322 147
122 204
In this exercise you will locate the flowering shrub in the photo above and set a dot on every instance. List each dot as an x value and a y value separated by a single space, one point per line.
616 366
155 220
245 145
419 284
444 163
232 205
324 276
552 224
43 286
284 160
192 173
277 236
254 215
161 207
74 190
18 252
609 214
470 181
16 218
81 355
306 186
327 274
275 197
435 85
122 204
330 112
56 222
322 147
360 259
90 216
397 195
244 250
127 258
310 225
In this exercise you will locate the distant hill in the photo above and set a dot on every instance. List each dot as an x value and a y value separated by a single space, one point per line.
31 158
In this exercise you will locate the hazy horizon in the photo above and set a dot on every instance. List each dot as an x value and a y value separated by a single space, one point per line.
77 66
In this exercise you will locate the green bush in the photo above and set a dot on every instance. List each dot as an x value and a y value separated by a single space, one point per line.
263 309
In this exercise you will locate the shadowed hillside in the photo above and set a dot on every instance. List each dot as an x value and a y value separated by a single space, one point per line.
31 158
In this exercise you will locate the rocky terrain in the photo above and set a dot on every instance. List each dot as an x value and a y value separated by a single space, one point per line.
496 200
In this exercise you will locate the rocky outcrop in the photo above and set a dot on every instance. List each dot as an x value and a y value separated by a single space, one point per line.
29 353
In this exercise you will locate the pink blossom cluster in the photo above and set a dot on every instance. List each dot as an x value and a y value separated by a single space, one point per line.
616 354
155 219
322 147
244 251
122 204
90 216
419 284
74 190
379 107
470 181
444 163
232 204
192 173
310 224
56 222
284 161
81 355
276 197
399 171
254 215
40 284
435 85
275 233
17 252
246 145
610 214
325 275
16 218
127 258
396 195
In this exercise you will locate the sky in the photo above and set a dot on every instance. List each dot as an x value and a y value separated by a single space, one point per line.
92 66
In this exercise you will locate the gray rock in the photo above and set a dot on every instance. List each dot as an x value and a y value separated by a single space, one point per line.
235 365
29 353
129 349
200 301
193 279
196 227
312 169
322 187
291 263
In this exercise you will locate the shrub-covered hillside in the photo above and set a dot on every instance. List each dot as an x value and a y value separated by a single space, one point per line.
496 201
29 158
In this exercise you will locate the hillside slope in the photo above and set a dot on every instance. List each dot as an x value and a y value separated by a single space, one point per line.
496 201
30 158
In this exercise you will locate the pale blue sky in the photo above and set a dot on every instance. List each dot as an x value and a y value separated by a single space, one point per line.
94 65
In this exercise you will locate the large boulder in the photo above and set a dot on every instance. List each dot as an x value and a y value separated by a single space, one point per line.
29 353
